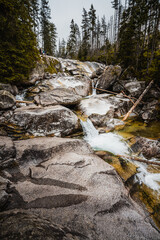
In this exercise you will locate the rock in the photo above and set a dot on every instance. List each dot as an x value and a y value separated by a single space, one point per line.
97 73
80 85
41 121
4 196
134 87
66 192
10 88
7 149
149 148
60 96
112 123
7 100
151 111
7 152
109 76
100 108
30 226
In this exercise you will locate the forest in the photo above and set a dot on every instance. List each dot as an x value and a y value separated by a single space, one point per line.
130 38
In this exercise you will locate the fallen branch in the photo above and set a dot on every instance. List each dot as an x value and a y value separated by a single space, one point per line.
20 101
115 93
140 160
127 97
138 101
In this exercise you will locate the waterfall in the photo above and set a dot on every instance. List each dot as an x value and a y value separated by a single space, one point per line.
107 141
115 144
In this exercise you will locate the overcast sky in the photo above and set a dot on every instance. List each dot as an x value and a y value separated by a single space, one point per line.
63 11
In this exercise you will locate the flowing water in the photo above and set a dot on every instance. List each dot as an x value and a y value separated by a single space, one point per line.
114 143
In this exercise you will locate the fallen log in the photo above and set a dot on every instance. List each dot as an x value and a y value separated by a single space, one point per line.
140 160
138 101
20 101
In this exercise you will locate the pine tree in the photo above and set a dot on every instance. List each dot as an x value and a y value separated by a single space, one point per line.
48 29
35 15
85 46
18 51
103 29
92 26
71 44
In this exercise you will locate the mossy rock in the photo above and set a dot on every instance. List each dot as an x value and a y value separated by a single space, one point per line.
151 199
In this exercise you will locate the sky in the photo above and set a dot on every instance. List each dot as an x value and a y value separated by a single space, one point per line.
63 11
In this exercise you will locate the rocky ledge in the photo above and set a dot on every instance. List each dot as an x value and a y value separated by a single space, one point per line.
58 189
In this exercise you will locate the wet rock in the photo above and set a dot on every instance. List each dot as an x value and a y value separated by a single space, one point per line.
112 123
10 88
97 73
7 100
149 148
65 183
4 196
7 149
30 226
151 111
101 108
80 85
41 121
57 96
135 88
109 76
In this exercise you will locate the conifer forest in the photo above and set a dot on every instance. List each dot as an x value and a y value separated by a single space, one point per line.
130 38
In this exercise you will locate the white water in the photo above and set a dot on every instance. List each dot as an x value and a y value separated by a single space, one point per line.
115 144
110 142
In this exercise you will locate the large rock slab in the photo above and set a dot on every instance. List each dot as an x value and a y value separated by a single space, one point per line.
65 188
109 76
81 85
57 96
7 100
41 121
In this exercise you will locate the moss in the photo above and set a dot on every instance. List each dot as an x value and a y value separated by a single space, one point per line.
151 199
51 65
136 128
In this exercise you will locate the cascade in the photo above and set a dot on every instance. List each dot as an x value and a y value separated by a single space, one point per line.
115 144
111 142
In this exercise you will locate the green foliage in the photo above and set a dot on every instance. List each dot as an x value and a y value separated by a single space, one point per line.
18 52
48 29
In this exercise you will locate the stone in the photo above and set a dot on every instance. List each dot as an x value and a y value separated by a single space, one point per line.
7 149
10 88
100 108
109 76
67 192
149 148
42 121
7 100
134 87
57 96
151 111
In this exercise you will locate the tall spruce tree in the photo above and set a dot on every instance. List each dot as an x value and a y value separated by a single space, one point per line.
48 29
18 51
85 46
71 44
92 26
